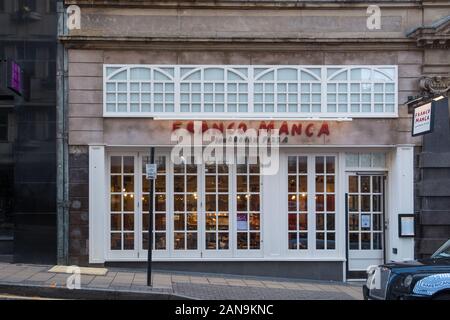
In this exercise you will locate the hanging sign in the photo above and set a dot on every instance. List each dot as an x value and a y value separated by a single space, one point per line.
423 119
15 77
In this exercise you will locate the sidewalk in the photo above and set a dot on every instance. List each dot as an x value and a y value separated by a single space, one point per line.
131 284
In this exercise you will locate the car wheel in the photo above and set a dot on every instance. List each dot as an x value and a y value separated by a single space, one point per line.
444 296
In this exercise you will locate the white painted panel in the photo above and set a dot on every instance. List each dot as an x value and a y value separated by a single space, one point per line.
97 204
401 200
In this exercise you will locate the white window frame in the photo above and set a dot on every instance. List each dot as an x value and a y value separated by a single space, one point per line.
251 82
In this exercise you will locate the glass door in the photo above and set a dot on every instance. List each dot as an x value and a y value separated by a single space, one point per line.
122 239
365 218
248 217
161 205
186 236
216 210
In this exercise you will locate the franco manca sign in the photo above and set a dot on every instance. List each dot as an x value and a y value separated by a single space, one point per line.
423 119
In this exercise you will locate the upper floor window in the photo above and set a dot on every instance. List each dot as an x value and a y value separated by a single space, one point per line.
193 91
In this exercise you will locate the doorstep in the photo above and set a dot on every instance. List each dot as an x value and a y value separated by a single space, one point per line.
82 270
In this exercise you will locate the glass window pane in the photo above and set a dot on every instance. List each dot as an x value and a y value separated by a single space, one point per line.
241 202
303 241
116 164
365 203
179 239
292 240
223 239
116 222
116 241
365 184
210 202
128 222
222 183
191 183
160 222
242 240
331 241
210 221
353 184
354 241
320 164
191 222
353 203
320 202
320 240
160 202
128 164
191 202
223 221
128 241
353 222
128 183
241 221
241 183
292 202
254 221
254 202
128 202
303 202
178 220
116 183
365 241
319 183
330 183
160 241
303 221
292 224
223 202
210 241
254 240
178 201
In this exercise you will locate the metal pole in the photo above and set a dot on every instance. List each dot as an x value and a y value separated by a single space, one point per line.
150 223
61 143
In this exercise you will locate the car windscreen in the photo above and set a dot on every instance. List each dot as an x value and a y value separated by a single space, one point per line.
443 251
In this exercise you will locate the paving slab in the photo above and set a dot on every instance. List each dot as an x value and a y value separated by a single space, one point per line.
118 283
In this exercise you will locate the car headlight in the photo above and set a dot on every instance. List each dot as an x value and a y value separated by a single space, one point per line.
407 281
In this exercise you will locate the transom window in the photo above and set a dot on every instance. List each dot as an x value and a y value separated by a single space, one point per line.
192 91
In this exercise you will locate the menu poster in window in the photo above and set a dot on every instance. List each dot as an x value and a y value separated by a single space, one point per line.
365 221
242 222
406 225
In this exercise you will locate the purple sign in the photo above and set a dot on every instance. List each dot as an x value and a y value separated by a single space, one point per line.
15 78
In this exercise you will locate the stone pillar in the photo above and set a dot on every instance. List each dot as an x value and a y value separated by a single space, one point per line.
432 199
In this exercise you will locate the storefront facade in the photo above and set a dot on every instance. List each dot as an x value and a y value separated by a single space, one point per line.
345 155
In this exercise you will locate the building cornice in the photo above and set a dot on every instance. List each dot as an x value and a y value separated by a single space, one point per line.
436 35
270 44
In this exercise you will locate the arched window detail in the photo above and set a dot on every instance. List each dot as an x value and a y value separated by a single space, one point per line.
230 91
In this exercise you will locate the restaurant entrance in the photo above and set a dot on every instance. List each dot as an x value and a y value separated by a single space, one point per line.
365 219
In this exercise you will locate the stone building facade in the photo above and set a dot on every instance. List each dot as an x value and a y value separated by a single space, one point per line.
139 70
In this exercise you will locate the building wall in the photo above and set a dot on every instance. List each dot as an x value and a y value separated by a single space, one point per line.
315 34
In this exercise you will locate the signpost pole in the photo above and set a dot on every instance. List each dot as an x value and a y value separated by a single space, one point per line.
150 222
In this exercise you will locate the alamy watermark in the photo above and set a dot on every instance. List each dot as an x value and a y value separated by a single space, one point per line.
230 146
374 19
74 280
73 17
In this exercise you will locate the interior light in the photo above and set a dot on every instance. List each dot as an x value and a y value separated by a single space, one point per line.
438 98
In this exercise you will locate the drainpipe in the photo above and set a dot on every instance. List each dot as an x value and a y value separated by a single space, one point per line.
62 185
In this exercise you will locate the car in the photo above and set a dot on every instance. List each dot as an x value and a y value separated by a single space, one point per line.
423 279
